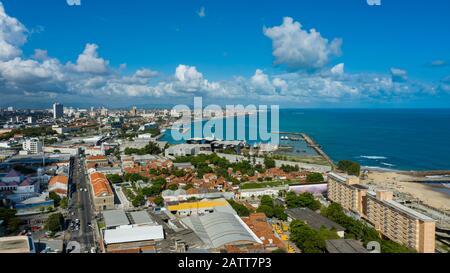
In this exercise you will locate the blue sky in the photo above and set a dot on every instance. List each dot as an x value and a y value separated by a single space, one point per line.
393 55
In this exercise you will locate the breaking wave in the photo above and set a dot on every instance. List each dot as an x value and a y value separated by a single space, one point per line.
373 157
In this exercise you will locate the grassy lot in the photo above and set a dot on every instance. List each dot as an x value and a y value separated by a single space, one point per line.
318 160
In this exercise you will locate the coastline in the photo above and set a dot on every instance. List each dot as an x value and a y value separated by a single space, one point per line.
409 184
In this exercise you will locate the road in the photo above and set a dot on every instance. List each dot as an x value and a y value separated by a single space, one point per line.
81 206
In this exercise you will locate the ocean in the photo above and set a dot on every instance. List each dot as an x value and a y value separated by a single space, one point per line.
398 139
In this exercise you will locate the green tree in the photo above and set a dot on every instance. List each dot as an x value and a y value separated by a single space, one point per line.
152 148
55 222
350 167
56 199
267 210
306 238
159 201
241 210
269 163
314 178
267 200
114 178
278 212
304 200
64 203
138 201
12 223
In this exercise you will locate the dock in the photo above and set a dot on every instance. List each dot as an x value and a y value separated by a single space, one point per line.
311 143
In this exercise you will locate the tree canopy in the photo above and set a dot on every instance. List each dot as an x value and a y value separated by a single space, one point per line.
270 209
241 210
55 222
304 200
314 178
11 221
151 149
349 167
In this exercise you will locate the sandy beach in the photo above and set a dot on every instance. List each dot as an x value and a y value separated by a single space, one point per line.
402 183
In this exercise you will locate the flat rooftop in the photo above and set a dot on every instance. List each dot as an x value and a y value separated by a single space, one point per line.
133 234
16 244
114 218
345 246
313 219
141 218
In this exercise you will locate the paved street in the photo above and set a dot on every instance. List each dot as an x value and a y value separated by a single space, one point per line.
80 205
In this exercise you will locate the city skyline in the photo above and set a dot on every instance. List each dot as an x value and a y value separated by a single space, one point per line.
155 55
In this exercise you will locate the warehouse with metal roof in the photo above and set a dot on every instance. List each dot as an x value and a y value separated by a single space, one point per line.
219 229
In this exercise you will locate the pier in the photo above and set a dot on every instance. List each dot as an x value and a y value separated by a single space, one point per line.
311 143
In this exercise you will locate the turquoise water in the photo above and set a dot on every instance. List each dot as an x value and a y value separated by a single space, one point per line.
402 139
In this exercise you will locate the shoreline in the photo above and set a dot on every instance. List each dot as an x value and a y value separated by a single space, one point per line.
413 187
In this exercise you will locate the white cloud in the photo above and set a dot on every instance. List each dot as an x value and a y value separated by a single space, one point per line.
42 77
202 12
146 73
90 62
12 36
338 69
399 75
438 63
300 49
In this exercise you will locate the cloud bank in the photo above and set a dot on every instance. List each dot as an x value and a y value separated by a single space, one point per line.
308 78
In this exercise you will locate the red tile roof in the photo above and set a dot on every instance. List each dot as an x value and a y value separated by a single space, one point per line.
100 185
59 179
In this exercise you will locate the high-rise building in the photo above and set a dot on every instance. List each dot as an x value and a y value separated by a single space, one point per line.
31 120
392 219
133 111
58 110
104 112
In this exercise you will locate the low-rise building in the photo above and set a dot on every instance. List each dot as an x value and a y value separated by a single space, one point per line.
97 161
71 150
315 220
257 222
346 246
257 192
17 245
221 231
102 194
133 239
32 146
201 207
183 150
59 185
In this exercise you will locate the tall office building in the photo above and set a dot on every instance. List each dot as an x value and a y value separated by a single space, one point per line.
58 111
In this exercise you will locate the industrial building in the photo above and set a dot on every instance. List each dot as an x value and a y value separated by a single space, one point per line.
220 229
